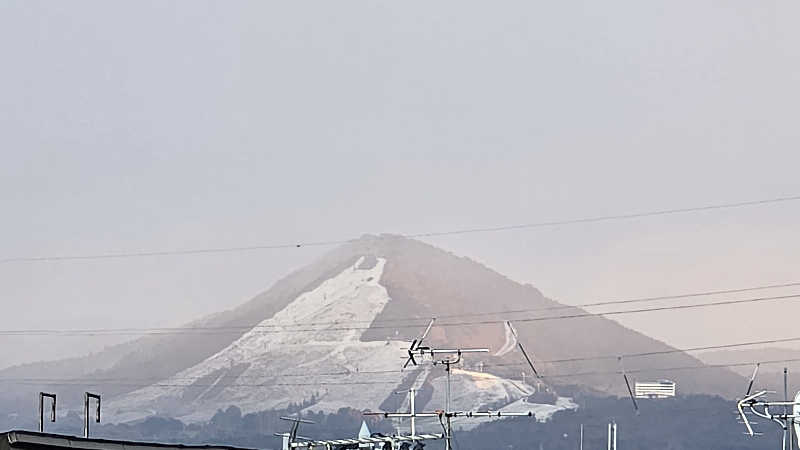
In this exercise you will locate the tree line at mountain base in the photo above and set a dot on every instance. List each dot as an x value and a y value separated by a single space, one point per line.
682 423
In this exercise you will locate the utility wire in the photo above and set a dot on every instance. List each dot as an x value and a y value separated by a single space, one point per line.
249 248
552 308
678 368
206 385
399 371
412 321
656 352
223 330
661 212
360 383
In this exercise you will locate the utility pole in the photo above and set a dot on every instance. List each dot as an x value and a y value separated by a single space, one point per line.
417 350
788 426
449 427
612 435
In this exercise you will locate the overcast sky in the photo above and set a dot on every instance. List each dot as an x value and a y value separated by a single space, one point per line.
138 125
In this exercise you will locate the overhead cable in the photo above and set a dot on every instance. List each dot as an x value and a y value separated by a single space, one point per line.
500 228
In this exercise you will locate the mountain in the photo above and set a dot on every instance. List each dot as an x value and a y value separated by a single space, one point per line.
770 373
783 357
335 333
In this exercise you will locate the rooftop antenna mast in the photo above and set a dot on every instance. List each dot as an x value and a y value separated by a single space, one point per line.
450 357
412 394
447 360
291 437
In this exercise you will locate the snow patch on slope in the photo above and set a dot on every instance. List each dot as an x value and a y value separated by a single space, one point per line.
511 342
542 411
471 391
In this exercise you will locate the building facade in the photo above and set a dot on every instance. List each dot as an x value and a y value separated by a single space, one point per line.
654 389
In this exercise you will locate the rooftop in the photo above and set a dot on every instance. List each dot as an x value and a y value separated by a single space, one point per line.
33 440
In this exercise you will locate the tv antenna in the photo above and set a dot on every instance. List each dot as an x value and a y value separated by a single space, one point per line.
292 441
416 346
291 437
756 404
450 357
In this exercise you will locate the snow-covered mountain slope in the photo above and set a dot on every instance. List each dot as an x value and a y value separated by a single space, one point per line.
311 348
336 331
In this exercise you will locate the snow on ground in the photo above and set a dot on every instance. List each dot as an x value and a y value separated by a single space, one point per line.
511 342
313 349
543 412
298 353
471 391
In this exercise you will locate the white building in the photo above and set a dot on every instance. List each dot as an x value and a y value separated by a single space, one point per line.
654 389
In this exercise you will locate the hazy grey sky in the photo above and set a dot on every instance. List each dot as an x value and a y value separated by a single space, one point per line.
167 125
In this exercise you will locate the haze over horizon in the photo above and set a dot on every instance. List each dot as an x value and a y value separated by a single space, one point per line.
159 126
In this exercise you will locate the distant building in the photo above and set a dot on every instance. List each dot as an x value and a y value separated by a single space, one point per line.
654 389
28 440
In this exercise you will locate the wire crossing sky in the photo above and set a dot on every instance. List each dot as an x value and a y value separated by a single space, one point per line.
248 248
342 326
399 370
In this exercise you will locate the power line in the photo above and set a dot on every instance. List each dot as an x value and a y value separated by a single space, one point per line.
661 308
656 352
43 380
247 385
249 248
678 368
552 308
412 321
620 302
359 383
224 330
594 219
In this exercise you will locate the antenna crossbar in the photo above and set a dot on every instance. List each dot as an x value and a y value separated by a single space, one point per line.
454 414
369 440
296 419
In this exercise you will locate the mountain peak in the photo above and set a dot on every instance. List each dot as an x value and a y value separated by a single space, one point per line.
346 319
